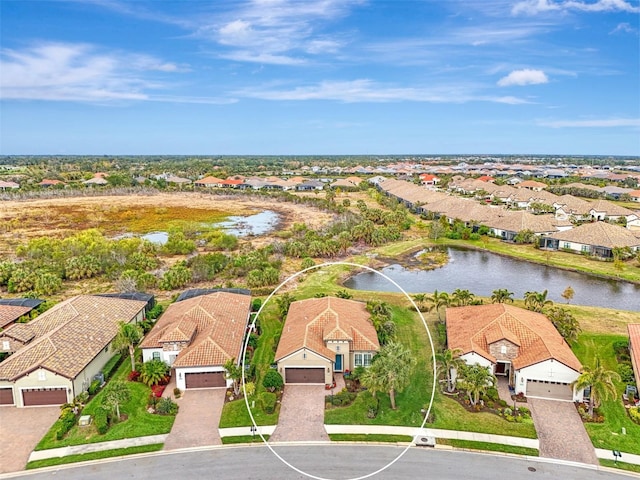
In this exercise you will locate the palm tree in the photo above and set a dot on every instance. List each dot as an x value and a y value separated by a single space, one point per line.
536 301
502 295
391 369
566 324
462 297
475 380
420 298
234 372
283 302
439 299
128 336
601 382
153 371
448 360
115 394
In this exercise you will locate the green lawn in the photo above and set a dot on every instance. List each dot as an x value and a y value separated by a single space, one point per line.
84 457
235 414
243 439
369 437
629 467
608 435
139 423
489 447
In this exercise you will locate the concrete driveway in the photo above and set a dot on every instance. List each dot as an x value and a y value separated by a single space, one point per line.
196 424
301 415
20 431
561 432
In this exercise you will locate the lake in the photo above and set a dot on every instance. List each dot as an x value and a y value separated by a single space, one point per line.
246 225
482 272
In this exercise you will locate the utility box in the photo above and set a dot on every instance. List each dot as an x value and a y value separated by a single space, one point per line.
425 441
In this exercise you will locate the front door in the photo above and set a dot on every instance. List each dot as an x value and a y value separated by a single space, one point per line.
338 364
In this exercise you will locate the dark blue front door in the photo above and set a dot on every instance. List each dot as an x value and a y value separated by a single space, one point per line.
338 365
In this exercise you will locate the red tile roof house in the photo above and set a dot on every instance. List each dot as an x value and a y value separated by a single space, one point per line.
634 348
321 336
522 346
197 336
58 353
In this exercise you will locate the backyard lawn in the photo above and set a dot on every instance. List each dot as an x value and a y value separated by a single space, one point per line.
139 423
608 435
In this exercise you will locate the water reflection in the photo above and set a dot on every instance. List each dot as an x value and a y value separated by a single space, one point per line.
247 225
483 272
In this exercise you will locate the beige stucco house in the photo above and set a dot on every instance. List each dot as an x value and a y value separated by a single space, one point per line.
324 335
517 344
197 336
57 355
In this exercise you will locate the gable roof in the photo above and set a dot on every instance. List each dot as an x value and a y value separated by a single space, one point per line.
10 313
474 328
312 322
65 338
218 321
600 234
611 209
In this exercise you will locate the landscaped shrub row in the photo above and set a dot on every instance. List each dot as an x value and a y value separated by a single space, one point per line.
67 421
268 402
94 387
101 419
342 398
111 366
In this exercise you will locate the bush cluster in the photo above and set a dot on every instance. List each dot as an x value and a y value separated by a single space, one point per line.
94 387
101 420
67 421
268 402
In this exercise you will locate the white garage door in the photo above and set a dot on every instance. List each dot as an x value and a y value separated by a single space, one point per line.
553 390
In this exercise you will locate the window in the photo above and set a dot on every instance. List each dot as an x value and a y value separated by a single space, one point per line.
337 348
5 345
42 375
367 359
362 359
156 355
357 360
566 245
503 349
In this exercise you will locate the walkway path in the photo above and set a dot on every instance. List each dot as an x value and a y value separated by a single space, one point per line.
561 431
301 415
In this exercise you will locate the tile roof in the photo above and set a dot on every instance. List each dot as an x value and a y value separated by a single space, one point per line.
313 321
218 320
516 221
474 328
68 336
599 234
611 209
634 342
10 313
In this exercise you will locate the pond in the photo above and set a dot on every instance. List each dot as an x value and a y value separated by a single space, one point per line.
246 225
159 238
482 272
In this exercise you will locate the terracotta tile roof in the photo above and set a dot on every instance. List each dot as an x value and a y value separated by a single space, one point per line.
68 336
516 221
599 234
532 184
634 343
574 205
218 320
10 313
474 328
313 321
611 209
209 181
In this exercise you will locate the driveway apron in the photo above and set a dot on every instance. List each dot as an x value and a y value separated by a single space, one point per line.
20 431
301 415
196 424
561 432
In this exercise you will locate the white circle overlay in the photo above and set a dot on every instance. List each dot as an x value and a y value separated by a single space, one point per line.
433 354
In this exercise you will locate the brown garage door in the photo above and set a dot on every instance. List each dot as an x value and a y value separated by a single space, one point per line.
6 396
205 380
553 390
304 375
44 396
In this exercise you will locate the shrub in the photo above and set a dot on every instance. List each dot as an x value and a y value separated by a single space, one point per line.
166 406
372 408
177 392
492 394
158 390
133 376
111 366
256 303
634 413
101 421
67 421
626 373
268 401
272 380
94 387
250 389
155 312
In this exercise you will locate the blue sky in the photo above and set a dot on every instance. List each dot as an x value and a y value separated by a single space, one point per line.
279 77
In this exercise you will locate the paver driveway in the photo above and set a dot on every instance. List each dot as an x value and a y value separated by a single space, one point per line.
561 432
301 415
20 431
197 421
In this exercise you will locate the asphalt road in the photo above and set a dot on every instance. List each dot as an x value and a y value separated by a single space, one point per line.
336 462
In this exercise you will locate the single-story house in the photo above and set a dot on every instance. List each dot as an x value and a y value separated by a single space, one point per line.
532 185
324 335
8 185
597 238
197 336
429 179
51 183
635 195
9 314
209 182
310 185
634 348
518 344
58 354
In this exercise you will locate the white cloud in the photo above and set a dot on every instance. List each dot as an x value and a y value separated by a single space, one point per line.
592 123
368 91
534 7
78 72
523 77
623 27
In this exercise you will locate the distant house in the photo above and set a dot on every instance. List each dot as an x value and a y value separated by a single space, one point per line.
97 180
8 185
58 354
350 183
569 207
634 348
486 178
605 210
12 309
532 185
322 336
47 183
597 238
520 345
177 180
506 224
429 179
635 195
197 336
310 185
209 182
